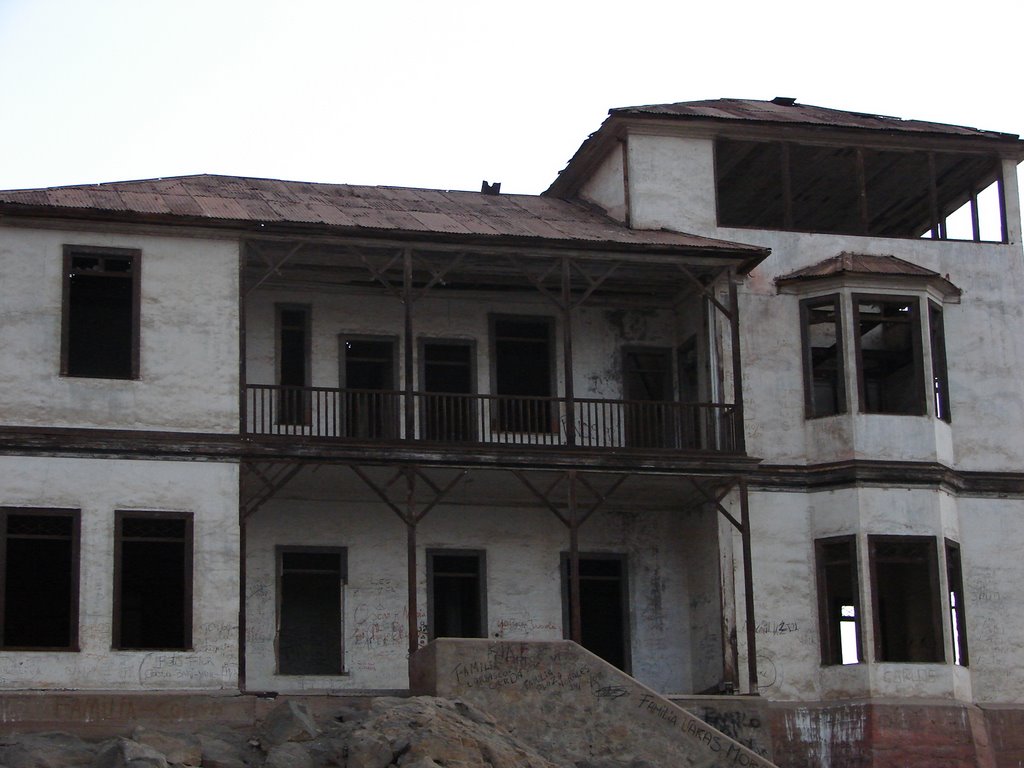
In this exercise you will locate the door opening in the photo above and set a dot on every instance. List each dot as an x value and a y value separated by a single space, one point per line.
604 606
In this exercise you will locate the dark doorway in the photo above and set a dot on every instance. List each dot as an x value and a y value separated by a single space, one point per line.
368 376
456 596
293 364
604 606
647 388
523 373
310 611
448 414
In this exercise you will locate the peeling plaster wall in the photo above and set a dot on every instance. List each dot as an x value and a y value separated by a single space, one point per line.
98 487
188 337
605 186
523 583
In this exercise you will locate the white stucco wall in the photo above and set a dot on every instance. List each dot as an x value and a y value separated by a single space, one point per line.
189 336
672 185
98 487
665 554
605 187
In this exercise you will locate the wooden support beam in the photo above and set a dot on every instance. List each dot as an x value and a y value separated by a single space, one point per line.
708 293
273 268
748 589
737 370
568 372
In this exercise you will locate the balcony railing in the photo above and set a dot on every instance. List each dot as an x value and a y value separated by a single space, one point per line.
378 415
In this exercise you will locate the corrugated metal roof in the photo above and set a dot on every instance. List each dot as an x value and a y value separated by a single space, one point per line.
781 111
244 201
866 264
861 264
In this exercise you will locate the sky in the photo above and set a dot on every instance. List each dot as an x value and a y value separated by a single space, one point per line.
446 94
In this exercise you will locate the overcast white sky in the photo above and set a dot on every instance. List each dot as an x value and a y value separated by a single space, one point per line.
445 94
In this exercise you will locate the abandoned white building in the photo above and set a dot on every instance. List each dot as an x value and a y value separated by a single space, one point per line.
736 404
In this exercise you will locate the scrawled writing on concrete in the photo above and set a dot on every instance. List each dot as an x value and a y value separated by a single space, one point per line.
695 729
506 667
737 725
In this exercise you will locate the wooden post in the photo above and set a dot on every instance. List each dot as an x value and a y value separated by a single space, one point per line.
570 390
410 406
748 589
575 620
739 430
410 535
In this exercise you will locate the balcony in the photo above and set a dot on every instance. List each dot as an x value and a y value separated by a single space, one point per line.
379 416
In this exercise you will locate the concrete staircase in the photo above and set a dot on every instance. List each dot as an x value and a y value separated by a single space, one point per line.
569 704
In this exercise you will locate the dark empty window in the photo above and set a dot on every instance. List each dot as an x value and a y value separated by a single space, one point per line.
153 580
456 596
905 597
888 341
838 600
100 336
368 376
293 345
940 375
448 410
824 384
39 574
310 611
523 373
857 190
957 615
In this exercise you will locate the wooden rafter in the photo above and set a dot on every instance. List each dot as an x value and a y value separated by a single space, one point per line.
274 476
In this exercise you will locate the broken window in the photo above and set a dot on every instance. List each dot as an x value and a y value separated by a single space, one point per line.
957 615
368 375
940 375
293 364
448 376
905 599
838 600
824 378
153 580
456 594
604 606
100 334
887 333
39 579
310 610
854 190
523 373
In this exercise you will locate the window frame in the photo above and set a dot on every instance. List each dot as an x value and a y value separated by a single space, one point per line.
279 551
917 349
957 615
74 570
806 305
830 642
937 620
481 557
134 255
551 417
940 368
188 571
305 398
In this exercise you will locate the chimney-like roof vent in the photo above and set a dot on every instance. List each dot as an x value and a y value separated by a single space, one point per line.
490 189
784 101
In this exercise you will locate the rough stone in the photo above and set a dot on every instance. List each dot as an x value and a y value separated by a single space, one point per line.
179 749
46 750
217 753
125 753
288 755
288 721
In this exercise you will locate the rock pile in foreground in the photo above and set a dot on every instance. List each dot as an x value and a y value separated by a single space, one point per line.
420 732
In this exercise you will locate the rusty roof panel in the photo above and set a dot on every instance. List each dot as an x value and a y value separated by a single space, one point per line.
780 111
238 200
858 263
